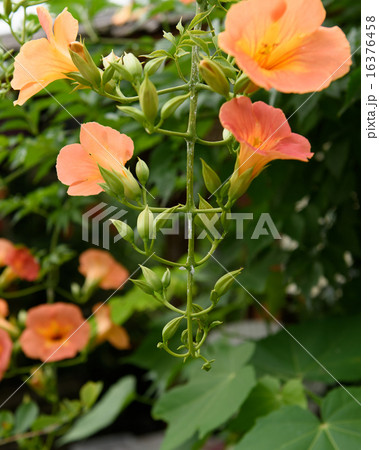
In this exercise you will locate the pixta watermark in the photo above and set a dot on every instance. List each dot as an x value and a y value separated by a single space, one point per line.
97 226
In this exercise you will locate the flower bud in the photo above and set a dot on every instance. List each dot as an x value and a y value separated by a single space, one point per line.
126 232
162 218
133 67
170 329
143 286
172 105
166 279
225 282
239 184
214 76
7 7
112 180
211 179
110 58
153 65
84 62
145 224
132 189
148 98
142 171
134 113
152 279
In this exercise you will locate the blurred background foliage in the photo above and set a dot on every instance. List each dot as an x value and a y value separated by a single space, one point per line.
308 280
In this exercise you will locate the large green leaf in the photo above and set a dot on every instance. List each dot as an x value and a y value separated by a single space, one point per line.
334 342
208 399
293 428
267 396
104 412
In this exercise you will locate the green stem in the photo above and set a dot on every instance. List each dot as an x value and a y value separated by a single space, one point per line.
171 133
190 203
23 292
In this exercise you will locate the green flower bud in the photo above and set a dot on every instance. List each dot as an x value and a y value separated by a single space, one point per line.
152 279
143 286
134 113
211 179
153 65
148 99
132 66
162 218
145 224
126 232
225 282
239 184
142 171
110 58
172 105
131 187
112 180
7 5
84 62
170 329
214 76
166 279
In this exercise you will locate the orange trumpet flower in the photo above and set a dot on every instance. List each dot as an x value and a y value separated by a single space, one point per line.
54 332
109 331
281 44
100 268
264 134
5 351
77 164
43 61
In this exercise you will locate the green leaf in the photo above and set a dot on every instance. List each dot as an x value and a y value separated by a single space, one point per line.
24 416
104 412
293 428
334 342
267 396
90 392
208 399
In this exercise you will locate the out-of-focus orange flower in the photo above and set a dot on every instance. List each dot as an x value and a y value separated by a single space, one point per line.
5 351
187 2
100 268
6 247
109 331
4 309
42 61
280 44
5 324
77 164
264 134
54 332
22 263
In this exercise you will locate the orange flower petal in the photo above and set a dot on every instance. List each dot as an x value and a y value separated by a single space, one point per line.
5 351
65 30
281 44
264 134
54 332
37 65
6 247
99 266
108 147
45 21
77 169
44 60
119 338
